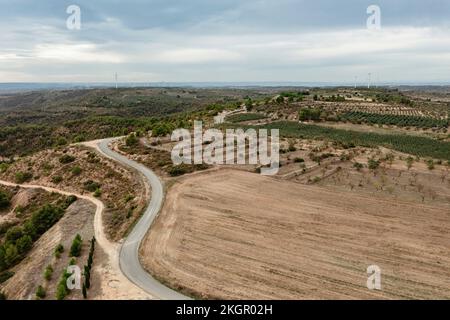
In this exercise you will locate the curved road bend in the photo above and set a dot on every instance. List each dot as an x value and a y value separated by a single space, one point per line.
129 253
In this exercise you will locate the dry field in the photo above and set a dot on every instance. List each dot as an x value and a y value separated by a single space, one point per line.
235 235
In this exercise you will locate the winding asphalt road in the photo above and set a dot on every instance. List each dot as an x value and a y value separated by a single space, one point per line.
129 253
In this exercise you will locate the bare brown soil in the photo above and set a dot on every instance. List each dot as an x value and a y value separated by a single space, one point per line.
235 235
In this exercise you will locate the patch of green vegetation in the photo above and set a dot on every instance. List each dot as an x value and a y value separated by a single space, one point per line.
5 276
75 249
57 179
48 272
415 145
22 177
308 114
58 251
64 159
76 171
391 119
40 292
5 199
241 117
4 167
91 185
20 239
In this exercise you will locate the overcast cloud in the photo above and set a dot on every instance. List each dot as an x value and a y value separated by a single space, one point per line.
224 40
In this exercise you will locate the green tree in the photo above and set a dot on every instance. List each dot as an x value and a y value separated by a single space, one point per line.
409 162
84 291
5 200
66 159
58 250
14 234
76 171
40 292
24 244
22 177
373 164
75 249
11 254
131 140
48 272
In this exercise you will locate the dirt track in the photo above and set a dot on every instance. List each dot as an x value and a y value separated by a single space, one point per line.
232 234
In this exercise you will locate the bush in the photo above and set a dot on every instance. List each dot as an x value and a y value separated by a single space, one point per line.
57 179
131 140
14 234
179 170
91 186
373 164
22 177
61 290
40 292
75 249
5 276
430 164
66 159
358 166
5 200
98 193
3 167
24 244
11 254
3 296
68 201
42 220
299 160
76 171
58 250
48 272
309 114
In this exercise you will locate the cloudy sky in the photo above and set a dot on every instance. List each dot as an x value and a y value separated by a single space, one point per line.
225 41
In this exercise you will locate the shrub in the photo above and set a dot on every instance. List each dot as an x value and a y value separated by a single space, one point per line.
61 290
91 186
299 160
373 164
42 220
22 177
76 171
5 200
430 164
66 159
24 244
131 140
409 162
11 254
5 276
61 141
57 179
40 292
3 167
58 250
75 249
98 193
309 114
48 272
68 201
179 170
3 296
14 234
358 166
